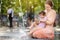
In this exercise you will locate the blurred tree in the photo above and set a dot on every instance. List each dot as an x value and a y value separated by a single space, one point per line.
5 4
0 6
24 5
58 6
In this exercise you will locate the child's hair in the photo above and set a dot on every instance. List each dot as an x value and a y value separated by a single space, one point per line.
43 13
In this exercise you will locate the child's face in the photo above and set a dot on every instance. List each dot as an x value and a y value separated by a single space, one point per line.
41 15
36 20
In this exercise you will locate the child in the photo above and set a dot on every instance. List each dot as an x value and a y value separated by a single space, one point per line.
38 24
41 21
43 18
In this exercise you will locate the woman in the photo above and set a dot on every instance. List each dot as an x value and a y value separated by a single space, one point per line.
47 32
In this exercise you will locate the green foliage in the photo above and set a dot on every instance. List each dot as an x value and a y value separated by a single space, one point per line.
24 5
58 6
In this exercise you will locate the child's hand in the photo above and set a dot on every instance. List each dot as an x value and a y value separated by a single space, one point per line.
29 27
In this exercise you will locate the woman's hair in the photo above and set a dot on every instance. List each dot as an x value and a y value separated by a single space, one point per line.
50 3
43 13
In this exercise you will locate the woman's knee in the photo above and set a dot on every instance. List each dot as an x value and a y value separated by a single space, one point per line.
34 34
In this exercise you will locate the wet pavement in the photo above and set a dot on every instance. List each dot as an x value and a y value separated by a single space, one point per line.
11 34
18 33
15 34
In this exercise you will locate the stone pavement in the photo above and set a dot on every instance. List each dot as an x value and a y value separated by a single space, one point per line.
15 34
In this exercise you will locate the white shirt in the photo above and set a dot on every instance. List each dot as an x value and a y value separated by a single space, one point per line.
9 11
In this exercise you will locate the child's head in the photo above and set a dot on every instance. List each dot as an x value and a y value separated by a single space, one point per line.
42 14
36 20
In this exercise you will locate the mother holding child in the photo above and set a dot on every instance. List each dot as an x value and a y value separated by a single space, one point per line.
43 28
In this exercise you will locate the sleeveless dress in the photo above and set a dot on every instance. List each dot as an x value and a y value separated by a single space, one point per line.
42 24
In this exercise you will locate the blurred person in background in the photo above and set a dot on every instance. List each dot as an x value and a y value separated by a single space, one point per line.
10 12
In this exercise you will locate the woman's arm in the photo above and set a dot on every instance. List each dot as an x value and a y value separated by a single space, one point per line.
51 18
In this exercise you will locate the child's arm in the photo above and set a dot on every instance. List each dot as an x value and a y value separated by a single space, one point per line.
43 19
32 25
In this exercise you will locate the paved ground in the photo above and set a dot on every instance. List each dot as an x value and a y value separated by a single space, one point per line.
18 33
15 34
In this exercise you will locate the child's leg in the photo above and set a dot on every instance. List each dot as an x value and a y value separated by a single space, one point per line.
33 30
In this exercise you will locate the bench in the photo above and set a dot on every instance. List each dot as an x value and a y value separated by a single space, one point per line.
16 21
57 33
